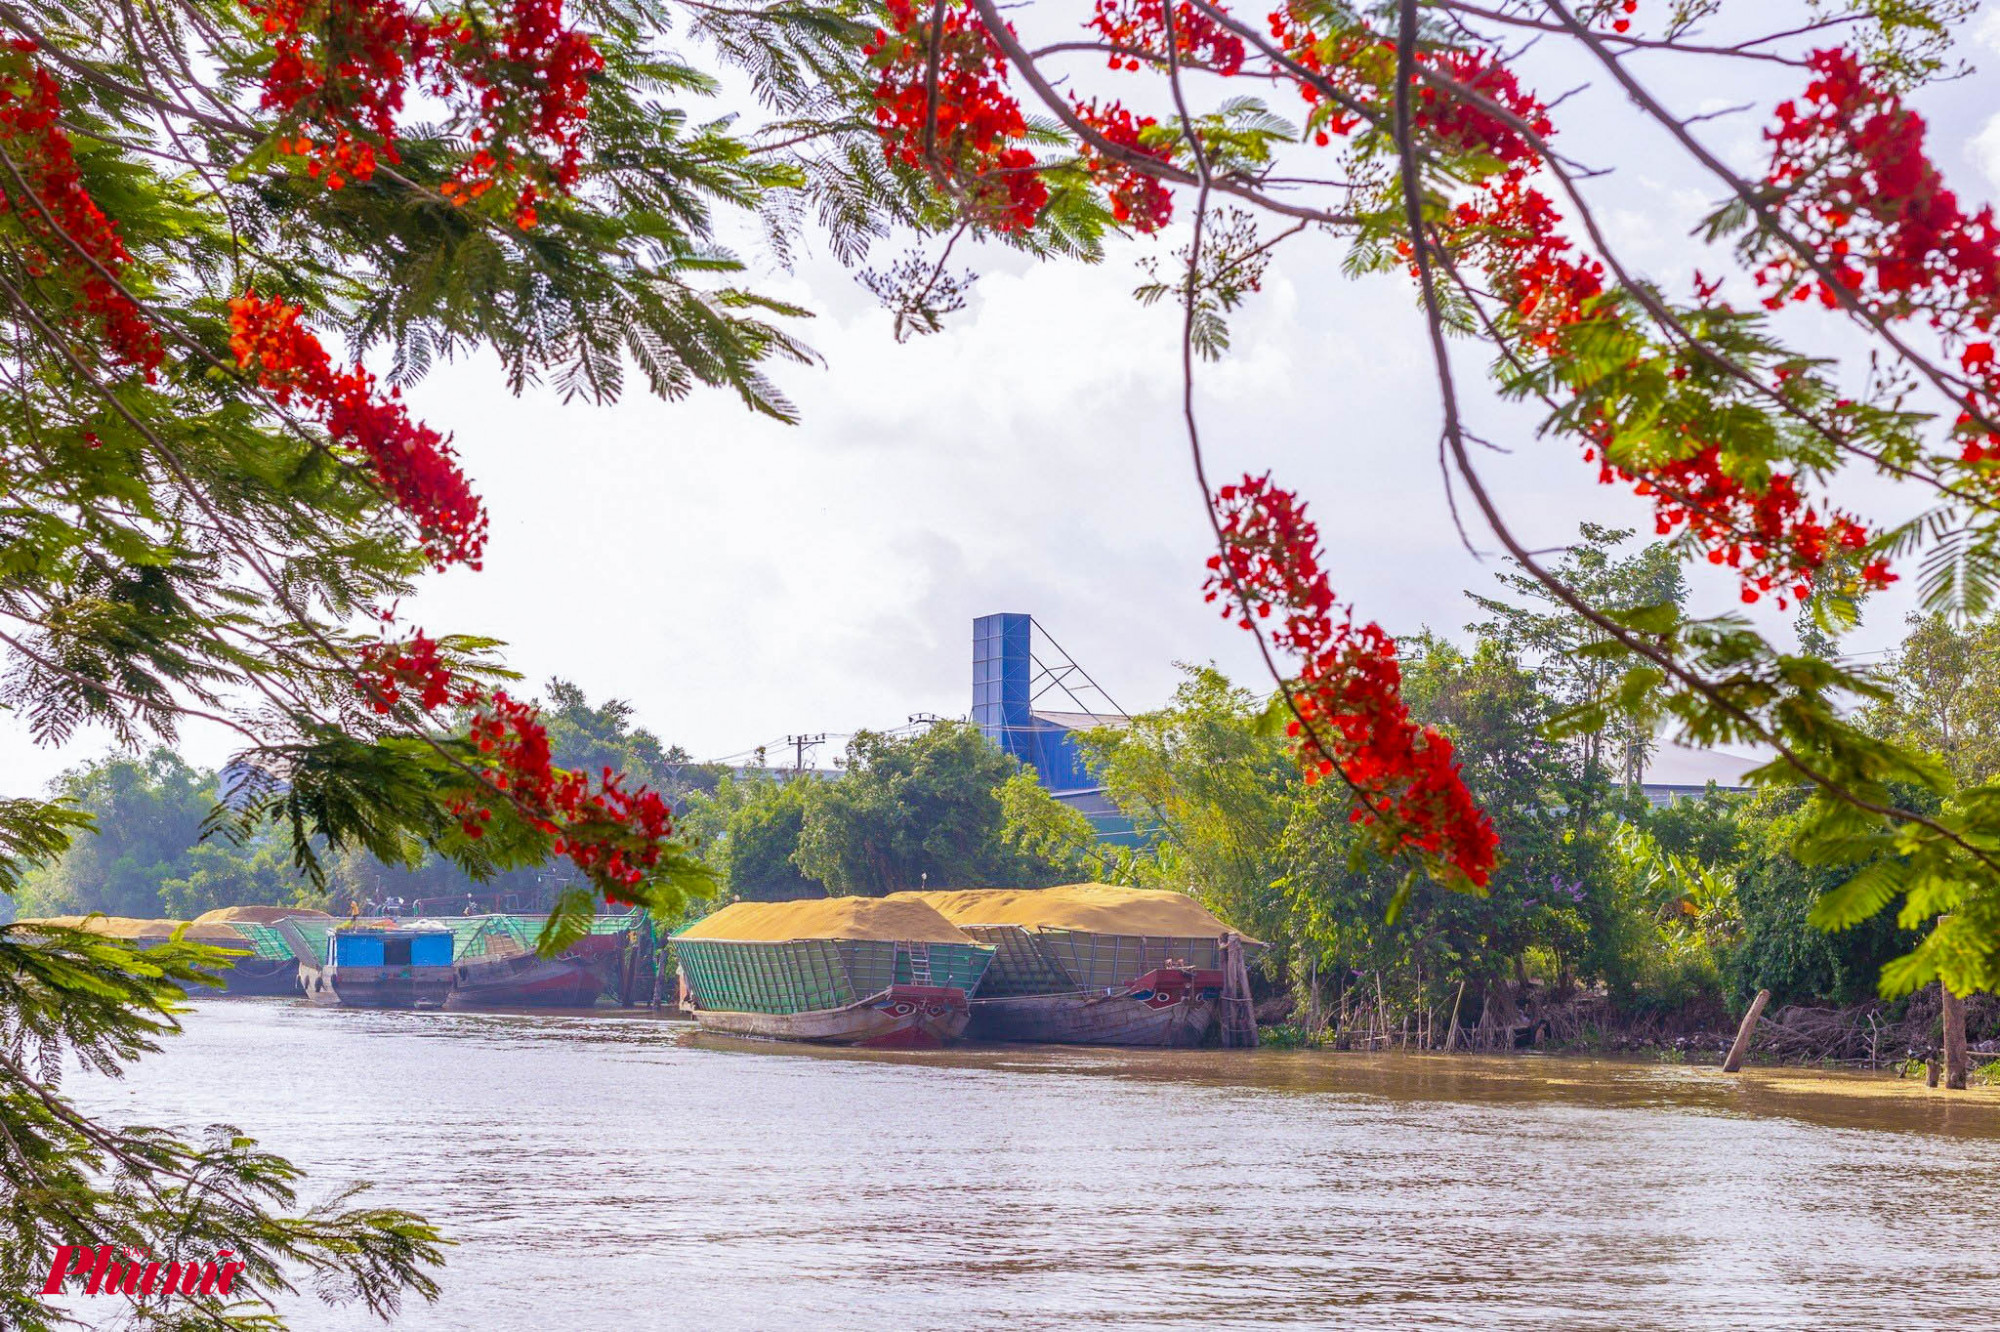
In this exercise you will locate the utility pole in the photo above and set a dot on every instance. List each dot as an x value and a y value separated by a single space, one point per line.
800 744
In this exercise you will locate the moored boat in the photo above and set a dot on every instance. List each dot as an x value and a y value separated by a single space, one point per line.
271 968
840 970
258 967
379 964
1090 963
499 967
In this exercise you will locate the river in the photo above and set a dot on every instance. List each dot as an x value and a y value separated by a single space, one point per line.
621 1172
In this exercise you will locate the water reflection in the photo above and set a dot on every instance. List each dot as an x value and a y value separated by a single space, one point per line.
626 1172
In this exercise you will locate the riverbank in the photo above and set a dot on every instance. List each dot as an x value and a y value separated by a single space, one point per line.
618 1170
1899 1036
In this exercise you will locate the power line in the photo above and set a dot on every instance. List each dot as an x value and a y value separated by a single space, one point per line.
800 744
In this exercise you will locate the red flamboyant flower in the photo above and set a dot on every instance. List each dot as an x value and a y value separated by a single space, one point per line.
1137 198
389 671
1140 27
67 235
1361 66
412 462
533 79
1859 191
1351 718
1767 533
976 127
1744 516
612 834
341 69
1468 127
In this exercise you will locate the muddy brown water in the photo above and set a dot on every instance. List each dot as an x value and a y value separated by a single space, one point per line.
605 1172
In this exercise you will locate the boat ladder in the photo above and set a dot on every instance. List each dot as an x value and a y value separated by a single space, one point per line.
920 964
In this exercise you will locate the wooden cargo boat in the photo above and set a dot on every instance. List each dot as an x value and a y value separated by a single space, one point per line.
380 965
1091 963
264 968
272 968
840 971
499 968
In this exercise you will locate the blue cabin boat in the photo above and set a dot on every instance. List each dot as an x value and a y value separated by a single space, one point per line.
381 966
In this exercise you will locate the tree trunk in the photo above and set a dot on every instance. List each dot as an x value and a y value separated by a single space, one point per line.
1312 997
1956 1062
1743 1033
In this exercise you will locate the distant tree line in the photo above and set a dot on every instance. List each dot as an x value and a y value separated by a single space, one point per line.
149 856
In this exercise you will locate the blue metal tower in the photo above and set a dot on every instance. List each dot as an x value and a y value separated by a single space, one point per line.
1008 680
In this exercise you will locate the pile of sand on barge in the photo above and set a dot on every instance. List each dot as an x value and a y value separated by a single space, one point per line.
258 915
883 919
843 970
1086 908
1091 963
144 931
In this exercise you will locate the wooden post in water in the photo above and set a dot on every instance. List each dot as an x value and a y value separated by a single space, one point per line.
1451 1035
1239 1011
1384 1012
1957 1063
1312 998
1743 1033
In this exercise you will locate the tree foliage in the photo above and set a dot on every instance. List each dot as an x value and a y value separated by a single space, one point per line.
940 807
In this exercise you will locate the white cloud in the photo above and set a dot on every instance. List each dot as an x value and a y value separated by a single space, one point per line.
1984 149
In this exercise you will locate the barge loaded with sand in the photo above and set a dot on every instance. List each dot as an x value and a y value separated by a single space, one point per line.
272 968
263 965
1097 964
840 970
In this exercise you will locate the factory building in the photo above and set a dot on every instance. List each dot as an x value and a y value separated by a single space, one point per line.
1030 698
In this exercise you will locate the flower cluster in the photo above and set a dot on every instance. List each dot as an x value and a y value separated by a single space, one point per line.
1360 65
341 69
1458 119
338 73
1743 515
390 672
1139 28
412 462
533 80
1138 198
612 834
971 141
1515 234
1355 62
1768 533
1351 718
1861 194
67 234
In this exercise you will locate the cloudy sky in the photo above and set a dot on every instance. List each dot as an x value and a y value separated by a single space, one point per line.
740 580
